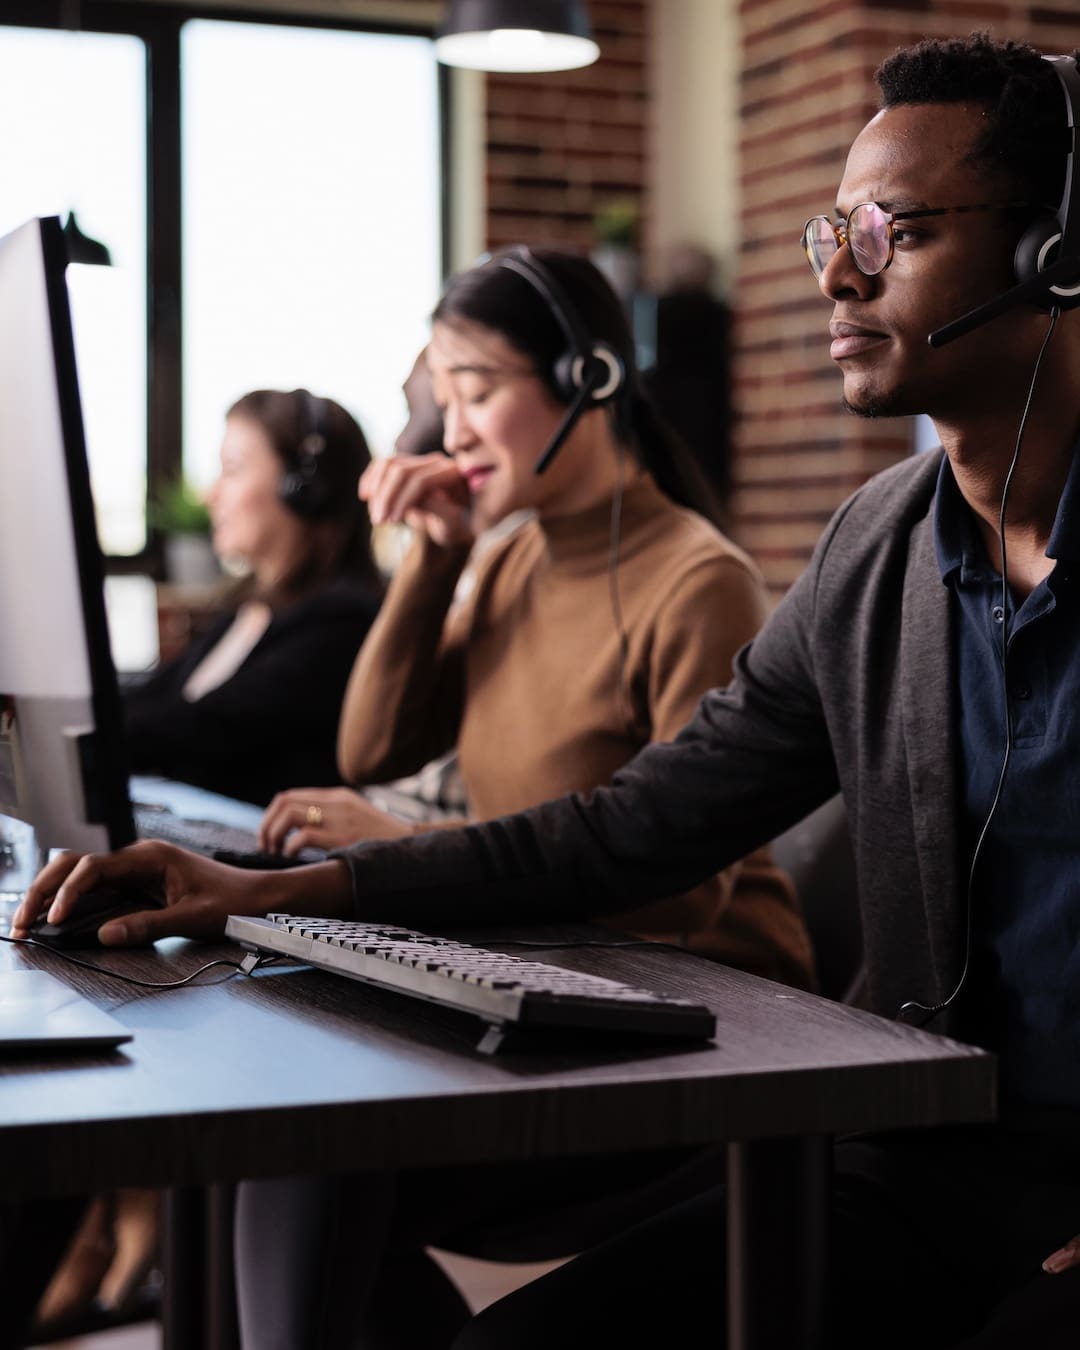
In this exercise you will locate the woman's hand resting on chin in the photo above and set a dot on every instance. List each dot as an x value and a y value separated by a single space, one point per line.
424 491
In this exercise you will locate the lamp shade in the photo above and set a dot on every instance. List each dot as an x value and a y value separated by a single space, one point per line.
516 35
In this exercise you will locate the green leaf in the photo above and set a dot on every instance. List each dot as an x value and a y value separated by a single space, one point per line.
179 509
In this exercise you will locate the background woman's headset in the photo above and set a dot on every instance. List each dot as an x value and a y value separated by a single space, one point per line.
302 488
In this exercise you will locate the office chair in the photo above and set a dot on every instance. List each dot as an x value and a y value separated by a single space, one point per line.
818 855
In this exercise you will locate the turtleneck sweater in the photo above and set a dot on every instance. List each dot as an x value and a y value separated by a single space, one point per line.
556 669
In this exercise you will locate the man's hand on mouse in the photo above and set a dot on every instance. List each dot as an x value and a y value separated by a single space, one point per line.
198 893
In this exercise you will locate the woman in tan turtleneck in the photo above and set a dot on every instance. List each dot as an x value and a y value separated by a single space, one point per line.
589 631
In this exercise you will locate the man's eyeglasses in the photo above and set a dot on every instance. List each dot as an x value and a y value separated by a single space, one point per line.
868 232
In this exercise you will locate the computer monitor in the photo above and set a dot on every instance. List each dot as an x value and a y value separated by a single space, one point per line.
63 760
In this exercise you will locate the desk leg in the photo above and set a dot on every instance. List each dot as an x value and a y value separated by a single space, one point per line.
183 1314
777 1230
198 1303
222 1332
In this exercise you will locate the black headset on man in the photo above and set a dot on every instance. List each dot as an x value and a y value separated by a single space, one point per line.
1046 265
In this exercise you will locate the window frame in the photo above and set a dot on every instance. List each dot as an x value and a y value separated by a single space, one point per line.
159 26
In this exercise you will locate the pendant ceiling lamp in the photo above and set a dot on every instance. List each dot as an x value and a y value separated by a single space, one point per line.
516 35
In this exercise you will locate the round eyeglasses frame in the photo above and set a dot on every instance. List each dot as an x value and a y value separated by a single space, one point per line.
841 231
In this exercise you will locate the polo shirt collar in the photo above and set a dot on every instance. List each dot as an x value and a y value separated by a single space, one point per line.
959 550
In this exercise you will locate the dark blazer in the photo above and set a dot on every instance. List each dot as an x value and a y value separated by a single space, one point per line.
848 685
273 724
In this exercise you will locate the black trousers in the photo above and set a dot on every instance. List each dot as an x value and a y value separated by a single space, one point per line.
340 1262
937 1242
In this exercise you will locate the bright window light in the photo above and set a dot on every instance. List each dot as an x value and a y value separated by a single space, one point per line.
311 188
74 106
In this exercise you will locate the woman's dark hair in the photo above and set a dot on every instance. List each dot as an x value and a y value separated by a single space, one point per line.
1025 136
498 298
340 535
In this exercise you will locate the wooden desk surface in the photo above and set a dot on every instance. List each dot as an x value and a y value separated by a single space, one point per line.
298 1071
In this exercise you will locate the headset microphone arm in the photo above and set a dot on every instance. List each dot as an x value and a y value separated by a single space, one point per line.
592 380
1038 288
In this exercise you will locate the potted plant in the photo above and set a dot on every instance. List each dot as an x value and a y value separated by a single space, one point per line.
615 228
180 515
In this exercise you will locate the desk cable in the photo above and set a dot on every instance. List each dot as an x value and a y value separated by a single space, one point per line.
253 962
247 965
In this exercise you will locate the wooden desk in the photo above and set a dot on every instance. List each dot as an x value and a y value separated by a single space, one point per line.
295 1070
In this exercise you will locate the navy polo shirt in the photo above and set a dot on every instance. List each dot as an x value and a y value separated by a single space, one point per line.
1024 994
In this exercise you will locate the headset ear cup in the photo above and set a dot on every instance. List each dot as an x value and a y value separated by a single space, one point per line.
615 376
1035 251
570 369
563 375
1038 249
302 490
293 491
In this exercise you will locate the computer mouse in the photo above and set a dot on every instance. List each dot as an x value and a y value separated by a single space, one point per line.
92 909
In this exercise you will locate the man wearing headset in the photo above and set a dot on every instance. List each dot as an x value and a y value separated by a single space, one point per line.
880 674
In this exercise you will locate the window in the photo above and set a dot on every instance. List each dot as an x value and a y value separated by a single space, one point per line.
289 234
310 191
78 100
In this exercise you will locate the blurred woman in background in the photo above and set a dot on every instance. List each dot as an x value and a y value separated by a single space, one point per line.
252 706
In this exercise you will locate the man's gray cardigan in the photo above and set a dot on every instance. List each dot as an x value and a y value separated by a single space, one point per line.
849 685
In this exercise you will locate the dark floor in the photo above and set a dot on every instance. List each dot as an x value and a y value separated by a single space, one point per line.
482 1281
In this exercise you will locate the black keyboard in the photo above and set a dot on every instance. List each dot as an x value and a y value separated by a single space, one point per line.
511 993
226 843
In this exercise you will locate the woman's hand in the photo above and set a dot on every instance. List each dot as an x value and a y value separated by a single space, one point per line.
199 894
424 491
323 818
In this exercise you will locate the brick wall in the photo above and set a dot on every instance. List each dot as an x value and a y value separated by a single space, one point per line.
563 145
807 89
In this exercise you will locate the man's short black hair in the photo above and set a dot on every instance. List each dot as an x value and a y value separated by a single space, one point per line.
1026 130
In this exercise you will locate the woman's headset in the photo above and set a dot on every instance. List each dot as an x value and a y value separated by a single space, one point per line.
587 372
302 488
